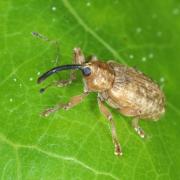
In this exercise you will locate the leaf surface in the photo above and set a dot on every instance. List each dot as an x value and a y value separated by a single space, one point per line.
76 144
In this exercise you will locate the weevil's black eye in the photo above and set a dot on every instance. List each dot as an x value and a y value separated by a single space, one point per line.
86 71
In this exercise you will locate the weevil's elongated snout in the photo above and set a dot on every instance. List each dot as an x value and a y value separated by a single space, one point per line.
57 69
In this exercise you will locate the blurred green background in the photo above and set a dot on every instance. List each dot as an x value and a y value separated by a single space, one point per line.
76 144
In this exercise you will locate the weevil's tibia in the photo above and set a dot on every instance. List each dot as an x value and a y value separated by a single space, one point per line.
137 128
108 115
73 102
78 56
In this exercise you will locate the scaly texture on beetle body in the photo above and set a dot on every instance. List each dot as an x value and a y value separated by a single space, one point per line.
134 94
124 88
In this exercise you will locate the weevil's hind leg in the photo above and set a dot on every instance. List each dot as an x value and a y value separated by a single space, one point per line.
73 102
137 128
135 122
108 115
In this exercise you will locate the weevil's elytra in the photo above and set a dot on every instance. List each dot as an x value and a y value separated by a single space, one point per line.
124 88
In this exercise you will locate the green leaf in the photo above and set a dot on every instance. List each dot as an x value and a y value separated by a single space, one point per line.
76 144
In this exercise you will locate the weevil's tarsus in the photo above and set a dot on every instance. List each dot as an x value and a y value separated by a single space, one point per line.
104 110
52 42
135 121
47 112
73 102
40 36
137 128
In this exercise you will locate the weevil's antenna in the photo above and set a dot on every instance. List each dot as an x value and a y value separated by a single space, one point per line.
57 69
43 89
55 83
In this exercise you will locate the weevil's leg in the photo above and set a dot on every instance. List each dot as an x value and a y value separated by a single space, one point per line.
108 115
92 58
137 128
78 56
52 42
77 59
73 102
135 122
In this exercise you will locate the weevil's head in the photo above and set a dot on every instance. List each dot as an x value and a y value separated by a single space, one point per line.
98 76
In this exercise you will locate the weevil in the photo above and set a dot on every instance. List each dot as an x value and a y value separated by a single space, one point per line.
124 88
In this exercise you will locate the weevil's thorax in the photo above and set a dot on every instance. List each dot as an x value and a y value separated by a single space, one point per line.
101 77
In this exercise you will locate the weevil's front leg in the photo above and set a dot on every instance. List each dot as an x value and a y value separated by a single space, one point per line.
52 42
77 59
92 58
73 102
108 115
137 128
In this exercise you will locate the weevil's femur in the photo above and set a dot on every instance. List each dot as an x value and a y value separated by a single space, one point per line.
57 69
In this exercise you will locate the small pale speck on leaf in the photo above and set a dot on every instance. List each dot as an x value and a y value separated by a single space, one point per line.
38 73
11 100
131 56
116 2
154 16
54 8
144 59
31 79
175 11
14 79
162 79
159 33
138 30
88 4
151 55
